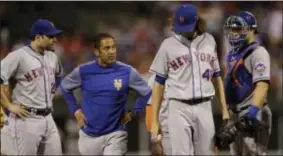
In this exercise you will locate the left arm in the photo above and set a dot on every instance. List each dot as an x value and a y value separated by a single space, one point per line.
260 68
220 96
141 86
260 92
219 88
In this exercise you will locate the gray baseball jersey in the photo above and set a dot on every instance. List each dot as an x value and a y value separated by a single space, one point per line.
188 67
35 88
257 64
35 75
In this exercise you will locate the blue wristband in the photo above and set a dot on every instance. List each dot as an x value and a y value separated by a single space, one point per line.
252 112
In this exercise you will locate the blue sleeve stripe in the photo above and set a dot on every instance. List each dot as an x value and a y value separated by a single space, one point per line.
58 80
156 73
217 74
160 80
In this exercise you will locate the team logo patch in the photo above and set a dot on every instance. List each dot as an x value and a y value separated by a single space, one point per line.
118 84
259 67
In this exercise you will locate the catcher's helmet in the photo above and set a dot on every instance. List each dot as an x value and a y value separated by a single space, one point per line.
250 19
236 30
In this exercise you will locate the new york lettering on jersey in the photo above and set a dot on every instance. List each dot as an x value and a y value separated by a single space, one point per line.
36 74
197 59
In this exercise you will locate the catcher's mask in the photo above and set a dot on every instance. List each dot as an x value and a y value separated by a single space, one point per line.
236 30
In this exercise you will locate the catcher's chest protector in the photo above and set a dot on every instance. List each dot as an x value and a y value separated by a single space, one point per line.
238 81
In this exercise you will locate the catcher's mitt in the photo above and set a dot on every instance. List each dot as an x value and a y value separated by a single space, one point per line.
156 148
225 135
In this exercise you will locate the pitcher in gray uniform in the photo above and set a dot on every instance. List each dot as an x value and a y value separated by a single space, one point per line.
37 72
187 61
246 84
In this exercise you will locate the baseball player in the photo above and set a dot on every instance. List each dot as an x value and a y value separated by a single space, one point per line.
187 62
104 83
163 119
38 72
247 83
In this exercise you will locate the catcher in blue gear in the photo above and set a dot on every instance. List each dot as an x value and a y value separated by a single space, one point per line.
246 86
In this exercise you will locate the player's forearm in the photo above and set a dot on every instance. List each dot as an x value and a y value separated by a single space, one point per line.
70 100
220 93
5 96
157 93
260 93
141 103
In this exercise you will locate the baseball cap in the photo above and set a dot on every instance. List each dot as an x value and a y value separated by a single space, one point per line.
44 27
185 18
249 18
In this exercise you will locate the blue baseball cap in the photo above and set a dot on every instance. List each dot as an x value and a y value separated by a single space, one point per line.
44 27
249 18
185 18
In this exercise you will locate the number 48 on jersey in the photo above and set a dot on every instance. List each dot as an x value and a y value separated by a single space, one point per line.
208 74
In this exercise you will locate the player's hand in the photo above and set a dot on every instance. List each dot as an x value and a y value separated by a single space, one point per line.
216 150
156 149
155 132
127 117
225 114
19 111
80 117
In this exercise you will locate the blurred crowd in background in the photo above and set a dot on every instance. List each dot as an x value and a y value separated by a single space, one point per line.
139 28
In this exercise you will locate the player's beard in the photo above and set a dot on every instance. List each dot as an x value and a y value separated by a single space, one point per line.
50 48
190 35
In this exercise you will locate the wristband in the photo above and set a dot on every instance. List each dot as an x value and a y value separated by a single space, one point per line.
253 112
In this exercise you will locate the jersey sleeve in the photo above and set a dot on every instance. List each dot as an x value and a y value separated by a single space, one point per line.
59 68
9 66
215 64
260 65
159 65
71 81
138 84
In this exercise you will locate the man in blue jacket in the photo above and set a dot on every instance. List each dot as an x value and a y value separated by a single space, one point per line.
104 84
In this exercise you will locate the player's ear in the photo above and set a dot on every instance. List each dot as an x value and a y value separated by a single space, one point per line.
37 36
96 52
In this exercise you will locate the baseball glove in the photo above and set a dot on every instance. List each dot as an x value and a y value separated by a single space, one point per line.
225 135
156 148
227 132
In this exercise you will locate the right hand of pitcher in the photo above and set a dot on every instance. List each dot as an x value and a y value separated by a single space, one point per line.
155 132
